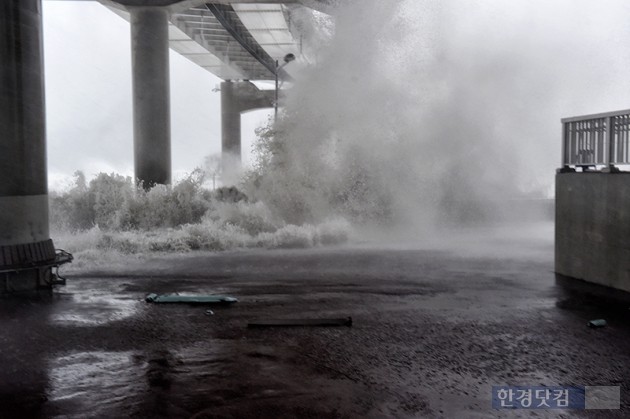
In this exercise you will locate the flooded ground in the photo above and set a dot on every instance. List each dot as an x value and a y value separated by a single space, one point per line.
435 325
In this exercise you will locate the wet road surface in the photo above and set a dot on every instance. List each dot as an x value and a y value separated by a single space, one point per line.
434 328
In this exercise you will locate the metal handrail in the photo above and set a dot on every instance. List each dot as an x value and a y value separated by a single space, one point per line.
596 140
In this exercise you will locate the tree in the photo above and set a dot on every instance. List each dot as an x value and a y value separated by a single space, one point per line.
212 167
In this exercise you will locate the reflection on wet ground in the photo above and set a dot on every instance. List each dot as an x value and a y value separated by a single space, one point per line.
433 331
73 377
80 304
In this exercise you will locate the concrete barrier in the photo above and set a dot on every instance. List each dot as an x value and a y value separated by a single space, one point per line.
593 227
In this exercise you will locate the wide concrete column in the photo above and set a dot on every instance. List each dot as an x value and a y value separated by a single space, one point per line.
24 235
237 97
230 132
151 95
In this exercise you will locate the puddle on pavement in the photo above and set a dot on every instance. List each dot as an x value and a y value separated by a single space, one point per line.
93 306
95 382
106 383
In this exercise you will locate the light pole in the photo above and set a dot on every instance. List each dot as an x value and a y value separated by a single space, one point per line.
287 59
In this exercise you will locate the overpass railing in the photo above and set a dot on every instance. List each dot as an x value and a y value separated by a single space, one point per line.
596 140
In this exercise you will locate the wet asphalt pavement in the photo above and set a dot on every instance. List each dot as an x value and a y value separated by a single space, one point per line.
435 326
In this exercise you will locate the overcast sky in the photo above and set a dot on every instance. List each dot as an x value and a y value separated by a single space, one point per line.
89 105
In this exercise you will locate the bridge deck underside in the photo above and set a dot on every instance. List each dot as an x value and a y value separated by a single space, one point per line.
234 60
234 42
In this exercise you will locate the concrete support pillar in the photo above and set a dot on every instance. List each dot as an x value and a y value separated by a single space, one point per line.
24 235
230 132
236 98
151 95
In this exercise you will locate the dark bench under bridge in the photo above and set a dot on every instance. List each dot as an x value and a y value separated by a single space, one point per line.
25 267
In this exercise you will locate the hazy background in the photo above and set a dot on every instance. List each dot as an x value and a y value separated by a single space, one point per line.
89 105
414 115
445 90
419 111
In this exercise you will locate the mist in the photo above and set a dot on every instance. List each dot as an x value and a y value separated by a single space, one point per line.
419 111
406 117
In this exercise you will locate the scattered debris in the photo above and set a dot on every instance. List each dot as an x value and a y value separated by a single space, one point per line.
597 323
300 322
190 299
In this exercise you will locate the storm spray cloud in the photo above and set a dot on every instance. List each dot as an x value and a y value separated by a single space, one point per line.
417 109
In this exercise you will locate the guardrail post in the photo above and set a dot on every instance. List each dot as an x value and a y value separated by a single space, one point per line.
610 135
564 162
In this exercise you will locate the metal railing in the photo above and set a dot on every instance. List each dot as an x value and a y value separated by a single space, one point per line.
596 140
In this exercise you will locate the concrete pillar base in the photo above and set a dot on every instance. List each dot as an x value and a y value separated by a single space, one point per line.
30 281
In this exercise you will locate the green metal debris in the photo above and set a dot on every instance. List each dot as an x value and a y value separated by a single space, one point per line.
597 323
190 299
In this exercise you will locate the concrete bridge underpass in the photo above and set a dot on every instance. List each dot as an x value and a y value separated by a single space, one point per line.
238 41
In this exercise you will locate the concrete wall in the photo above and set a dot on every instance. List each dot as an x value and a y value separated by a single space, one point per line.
593 227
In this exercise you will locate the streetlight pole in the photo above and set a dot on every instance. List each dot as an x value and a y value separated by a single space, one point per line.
275 103
287 59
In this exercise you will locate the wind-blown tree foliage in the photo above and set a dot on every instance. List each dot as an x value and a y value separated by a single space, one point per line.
114 203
